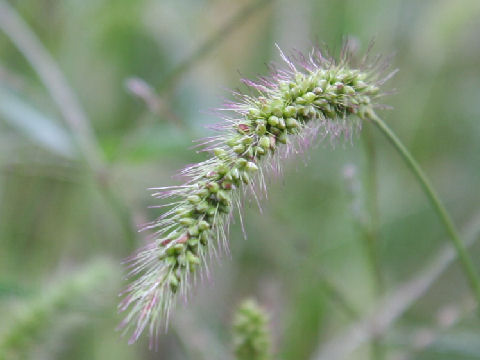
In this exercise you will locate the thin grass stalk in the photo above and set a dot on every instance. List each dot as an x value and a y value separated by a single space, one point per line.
463 257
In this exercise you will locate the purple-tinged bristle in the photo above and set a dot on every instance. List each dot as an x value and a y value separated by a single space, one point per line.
311 99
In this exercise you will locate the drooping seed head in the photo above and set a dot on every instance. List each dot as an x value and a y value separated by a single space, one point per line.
313 97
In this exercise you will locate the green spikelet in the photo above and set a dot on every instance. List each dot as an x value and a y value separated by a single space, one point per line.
251 336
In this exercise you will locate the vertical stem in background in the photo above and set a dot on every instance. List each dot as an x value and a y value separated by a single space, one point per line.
371 233
372 227
336 296
465 260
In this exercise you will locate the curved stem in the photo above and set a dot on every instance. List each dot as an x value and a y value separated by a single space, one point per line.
464 258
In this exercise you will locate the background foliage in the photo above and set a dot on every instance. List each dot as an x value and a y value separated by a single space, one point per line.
146 73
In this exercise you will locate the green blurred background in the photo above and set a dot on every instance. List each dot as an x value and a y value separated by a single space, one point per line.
143 76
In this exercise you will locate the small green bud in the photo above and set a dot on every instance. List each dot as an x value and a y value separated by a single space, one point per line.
309 97
180 210
247 140
219 152
178 248
213 187
281 123
212 210
329 111
275 130
173 282
203 192
360 85
372 89
289 111
194 199
320 102
251 167
301 100
296 92
273 120
202 207
170 251
239 148
277 111
308 111
183 212
349 90
245 178
251 336
261 129
192 259
291 123
232 142
264 142
299 77
193 241
282 138
259 150
322 84
283 85
253 113
224 208
203 225
204 238
182 260
223 197
171 261
222 169
241 162
187 221
260 122
193 230
235 173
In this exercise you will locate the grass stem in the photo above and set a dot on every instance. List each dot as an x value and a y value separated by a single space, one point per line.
465 260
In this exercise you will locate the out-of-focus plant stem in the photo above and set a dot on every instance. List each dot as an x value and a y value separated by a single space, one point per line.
372 230
336 296
54 81
370 233
217 38
394 304
465 260
54 302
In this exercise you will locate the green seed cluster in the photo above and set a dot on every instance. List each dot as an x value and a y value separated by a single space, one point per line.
250 331
323 94
267 122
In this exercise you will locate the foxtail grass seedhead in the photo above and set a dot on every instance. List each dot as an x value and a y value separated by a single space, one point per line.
312 97
251 337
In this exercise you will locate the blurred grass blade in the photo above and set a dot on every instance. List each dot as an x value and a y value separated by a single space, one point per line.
37 127
213 41
81 291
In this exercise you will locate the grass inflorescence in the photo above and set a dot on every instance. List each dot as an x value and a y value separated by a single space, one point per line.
312 96
251 336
